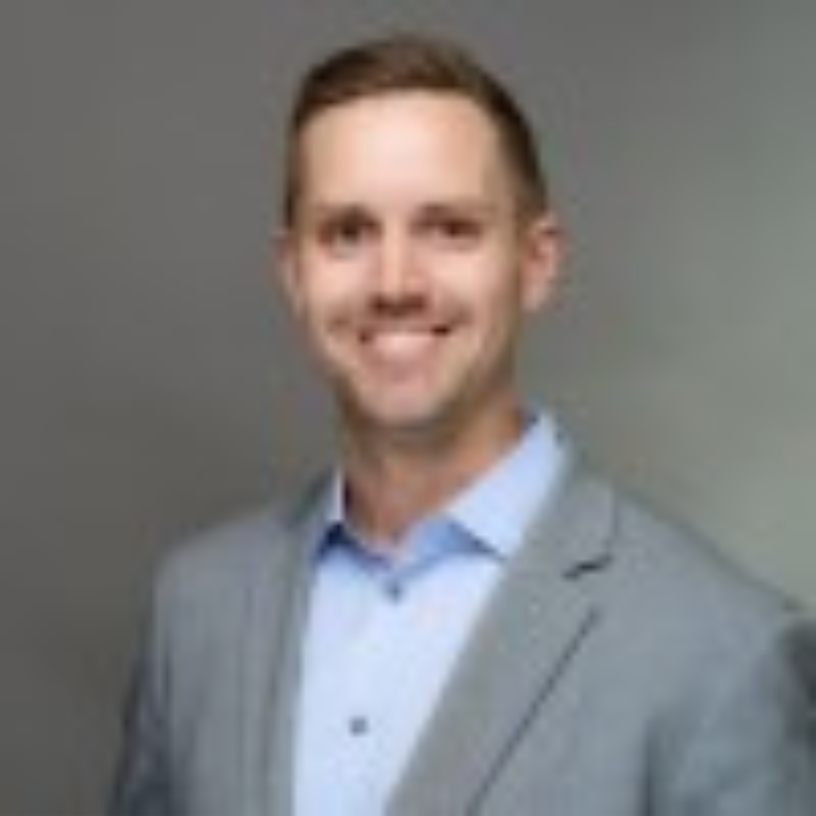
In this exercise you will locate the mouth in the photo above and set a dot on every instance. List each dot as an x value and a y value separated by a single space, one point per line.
403 343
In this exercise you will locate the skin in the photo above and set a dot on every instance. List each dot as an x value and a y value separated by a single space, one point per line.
411 269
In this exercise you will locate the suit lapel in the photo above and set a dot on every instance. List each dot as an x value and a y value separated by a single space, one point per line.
524 643
272 658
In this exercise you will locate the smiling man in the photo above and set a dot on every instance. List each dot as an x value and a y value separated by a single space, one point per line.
460 618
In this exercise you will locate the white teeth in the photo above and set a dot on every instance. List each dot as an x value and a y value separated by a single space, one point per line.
401 343
373 333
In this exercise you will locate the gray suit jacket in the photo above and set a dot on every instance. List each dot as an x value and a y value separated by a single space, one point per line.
622 669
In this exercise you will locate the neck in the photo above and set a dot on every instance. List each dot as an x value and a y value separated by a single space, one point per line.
394 482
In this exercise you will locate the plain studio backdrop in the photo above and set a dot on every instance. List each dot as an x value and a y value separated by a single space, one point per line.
151 382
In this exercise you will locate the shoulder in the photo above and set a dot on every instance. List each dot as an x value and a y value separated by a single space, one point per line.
217 565
727 660
207 575
644 558
662 587
226 549
696 666
679 568
675 603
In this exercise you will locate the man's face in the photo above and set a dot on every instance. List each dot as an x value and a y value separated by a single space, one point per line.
409 264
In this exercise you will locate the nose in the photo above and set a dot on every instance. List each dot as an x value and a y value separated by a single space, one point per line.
398 278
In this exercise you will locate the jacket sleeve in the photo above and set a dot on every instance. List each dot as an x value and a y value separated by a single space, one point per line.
142 780
753 752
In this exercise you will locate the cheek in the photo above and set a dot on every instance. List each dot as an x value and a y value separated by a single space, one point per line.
496 291
502 313
323 291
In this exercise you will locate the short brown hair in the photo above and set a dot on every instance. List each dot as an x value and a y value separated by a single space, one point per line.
412 62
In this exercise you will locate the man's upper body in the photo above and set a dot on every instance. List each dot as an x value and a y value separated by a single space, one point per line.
604 665
620 667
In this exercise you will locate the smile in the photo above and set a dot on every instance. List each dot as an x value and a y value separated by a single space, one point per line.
402 343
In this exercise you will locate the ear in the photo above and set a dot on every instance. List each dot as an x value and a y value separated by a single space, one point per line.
285 266
542 256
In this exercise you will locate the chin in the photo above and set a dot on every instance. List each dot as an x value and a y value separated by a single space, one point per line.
400 420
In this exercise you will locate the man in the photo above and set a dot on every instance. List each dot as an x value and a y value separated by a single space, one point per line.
460 619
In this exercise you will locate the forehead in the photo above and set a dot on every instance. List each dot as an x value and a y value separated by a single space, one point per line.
402 145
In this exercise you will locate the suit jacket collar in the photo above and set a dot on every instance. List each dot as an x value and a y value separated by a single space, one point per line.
278 611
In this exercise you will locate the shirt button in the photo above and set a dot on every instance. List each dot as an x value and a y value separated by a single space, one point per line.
358 726
395 589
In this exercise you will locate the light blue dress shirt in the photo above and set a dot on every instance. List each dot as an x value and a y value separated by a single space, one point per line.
385 631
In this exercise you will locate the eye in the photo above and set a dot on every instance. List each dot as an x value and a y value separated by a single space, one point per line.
345 234
452 229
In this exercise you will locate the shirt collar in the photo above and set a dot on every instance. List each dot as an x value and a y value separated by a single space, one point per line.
497 510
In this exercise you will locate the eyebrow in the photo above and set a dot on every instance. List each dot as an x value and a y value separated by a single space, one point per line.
471 206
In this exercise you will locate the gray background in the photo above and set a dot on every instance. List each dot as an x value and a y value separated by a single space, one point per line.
150 382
